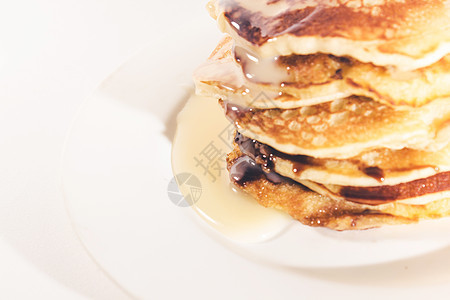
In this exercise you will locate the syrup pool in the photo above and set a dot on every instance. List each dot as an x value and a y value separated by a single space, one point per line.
202 140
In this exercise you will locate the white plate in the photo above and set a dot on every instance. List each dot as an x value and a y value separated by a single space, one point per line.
116 169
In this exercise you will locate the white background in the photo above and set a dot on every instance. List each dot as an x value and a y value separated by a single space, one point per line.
53 54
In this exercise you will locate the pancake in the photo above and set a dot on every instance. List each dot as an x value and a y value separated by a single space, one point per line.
342 108
380 167
345 128
417 183
313 209
302 80
406 34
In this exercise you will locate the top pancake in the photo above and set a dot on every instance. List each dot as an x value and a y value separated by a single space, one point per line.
407 34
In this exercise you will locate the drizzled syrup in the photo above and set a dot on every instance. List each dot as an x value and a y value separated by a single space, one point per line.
202 125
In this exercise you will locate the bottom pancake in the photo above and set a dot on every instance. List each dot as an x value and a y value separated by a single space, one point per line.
313 209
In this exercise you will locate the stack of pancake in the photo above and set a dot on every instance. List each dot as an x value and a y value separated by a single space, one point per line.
341 108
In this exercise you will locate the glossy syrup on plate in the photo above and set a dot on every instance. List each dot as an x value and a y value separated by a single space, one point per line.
202 140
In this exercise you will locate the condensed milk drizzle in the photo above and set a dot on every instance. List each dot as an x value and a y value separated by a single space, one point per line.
228 210
261 70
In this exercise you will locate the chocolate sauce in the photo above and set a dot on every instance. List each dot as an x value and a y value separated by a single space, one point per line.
374 172
266 156
300 162
433 184
247 145
245 169
256 154
324 21
261 153
297 168
259 161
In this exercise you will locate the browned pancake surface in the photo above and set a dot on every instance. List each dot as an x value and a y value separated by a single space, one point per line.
343 128
396 25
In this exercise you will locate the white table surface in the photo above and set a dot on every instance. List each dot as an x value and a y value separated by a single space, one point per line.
53 54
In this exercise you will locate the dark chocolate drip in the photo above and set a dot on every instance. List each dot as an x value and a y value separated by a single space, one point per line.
374 172
300 163
258 161
263 156
245 169
326 21
258 154
261 153
266 155
433 184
